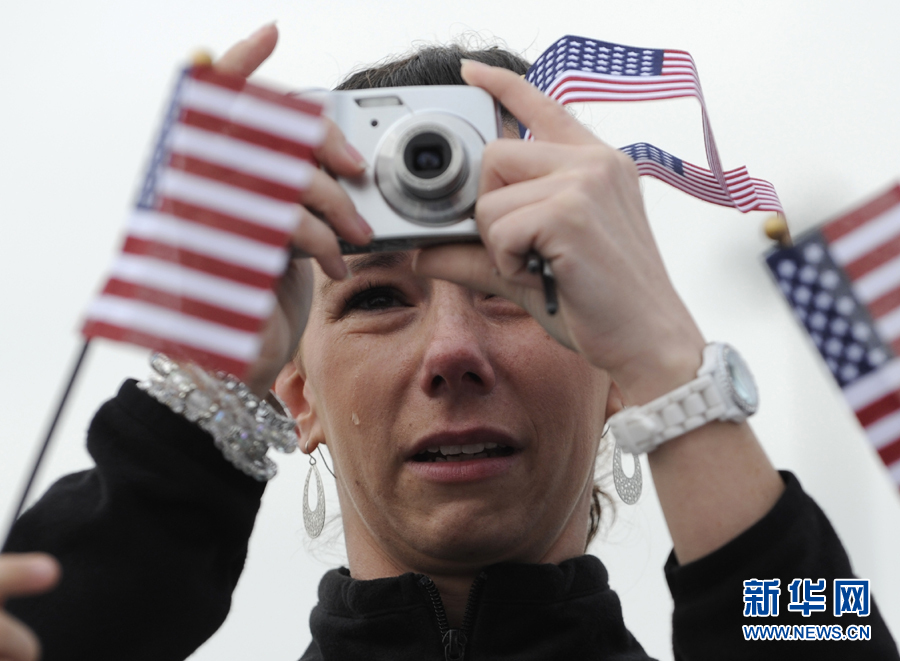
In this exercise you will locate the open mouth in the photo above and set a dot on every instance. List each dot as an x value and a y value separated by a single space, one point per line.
463 452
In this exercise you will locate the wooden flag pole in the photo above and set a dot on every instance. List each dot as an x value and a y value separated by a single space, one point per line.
46 444
776 228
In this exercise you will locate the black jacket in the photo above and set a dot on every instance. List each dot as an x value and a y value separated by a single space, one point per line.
153 540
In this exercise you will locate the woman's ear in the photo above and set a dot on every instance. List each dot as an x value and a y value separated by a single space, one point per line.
614 401
291 385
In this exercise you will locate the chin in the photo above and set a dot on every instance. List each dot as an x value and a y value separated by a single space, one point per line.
461 537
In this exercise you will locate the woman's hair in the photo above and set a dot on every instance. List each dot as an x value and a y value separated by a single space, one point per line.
434 65
439 65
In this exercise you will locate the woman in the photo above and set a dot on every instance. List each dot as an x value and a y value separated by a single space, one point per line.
408 364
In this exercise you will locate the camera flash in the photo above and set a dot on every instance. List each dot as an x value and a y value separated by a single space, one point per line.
378 101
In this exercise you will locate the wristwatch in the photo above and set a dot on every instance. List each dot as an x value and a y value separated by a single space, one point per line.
723 390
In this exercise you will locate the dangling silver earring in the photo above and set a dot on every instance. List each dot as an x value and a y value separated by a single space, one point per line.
628 488
313 520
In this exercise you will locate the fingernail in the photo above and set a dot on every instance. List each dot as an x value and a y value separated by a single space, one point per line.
42 567
471 64
267 26
364 226
341 269
355 155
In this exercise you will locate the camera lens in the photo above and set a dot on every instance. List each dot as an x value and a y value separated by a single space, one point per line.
426 168
427 155
434 163
427 161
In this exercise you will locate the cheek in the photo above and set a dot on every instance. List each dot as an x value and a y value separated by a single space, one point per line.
564 389
359 386
567 401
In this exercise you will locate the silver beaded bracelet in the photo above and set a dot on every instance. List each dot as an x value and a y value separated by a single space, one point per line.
243 426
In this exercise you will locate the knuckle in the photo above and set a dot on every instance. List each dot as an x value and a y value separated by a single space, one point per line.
587 178
333 133
551 113
627 166
485 210
502 238
490 150
327 196
493 154
573 208
331 144
338 204
496 236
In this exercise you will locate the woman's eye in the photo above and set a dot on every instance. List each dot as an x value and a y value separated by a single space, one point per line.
375 298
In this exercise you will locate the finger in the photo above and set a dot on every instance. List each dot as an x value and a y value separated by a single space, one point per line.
245 56
330 200
468 265
338 155
496 202
317 240
17 642
510 161
510 239
27 573
546 118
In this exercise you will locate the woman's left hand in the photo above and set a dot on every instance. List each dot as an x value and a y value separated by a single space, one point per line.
575 201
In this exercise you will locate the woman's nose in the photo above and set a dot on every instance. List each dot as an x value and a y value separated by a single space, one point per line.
456 359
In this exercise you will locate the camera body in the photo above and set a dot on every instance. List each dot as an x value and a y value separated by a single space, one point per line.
424 147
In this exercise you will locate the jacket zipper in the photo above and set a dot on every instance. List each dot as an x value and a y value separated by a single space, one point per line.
454 640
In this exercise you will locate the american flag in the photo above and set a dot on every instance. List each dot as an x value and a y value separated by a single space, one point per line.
208 239
576 69
843 282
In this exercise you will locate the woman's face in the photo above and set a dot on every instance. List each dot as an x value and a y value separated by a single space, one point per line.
393 364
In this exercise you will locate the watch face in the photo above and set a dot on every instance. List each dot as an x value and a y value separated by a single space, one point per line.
742 384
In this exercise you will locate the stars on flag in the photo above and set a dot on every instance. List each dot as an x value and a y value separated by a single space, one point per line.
576 69
843 282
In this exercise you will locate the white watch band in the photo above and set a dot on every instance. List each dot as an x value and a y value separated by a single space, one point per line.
707 398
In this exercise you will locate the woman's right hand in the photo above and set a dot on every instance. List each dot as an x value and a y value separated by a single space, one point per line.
323 198
20 575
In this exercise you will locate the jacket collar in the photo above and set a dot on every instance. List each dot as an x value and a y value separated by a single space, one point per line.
522 612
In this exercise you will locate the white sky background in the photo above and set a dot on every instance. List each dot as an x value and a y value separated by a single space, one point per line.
803 93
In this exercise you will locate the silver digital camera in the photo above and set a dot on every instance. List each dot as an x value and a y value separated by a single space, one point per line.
424 148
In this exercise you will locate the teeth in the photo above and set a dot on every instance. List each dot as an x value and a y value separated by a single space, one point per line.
448 450
461 452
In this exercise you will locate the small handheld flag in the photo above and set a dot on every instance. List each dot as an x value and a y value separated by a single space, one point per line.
843 282
576 69
208 238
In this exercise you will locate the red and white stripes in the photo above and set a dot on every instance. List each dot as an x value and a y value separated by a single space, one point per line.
677 78
199 264
866 245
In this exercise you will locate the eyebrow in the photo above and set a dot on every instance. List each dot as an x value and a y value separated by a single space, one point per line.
370 261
